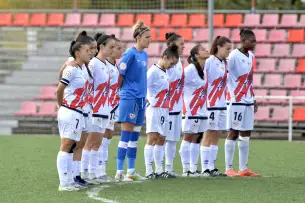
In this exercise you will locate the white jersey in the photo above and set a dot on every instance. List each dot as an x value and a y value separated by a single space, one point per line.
114 94
240 77
216 73
176 83
74 93
157 87
194 93
100 72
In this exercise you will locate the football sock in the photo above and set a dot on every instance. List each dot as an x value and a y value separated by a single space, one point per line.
194 155
243 146
62 168
229 153
122 149
213 156
93 162
205 155
85 161
132 151
185 155
158 158
170 152
149 157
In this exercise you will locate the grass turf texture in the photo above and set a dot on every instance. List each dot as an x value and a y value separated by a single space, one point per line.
29 175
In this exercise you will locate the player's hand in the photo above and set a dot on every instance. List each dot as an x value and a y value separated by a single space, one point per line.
255 106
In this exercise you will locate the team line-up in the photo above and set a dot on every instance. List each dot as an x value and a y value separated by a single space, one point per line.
214 93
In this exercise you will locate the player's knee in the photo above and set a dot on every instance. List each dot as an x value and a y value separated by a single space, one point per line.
161 140
199 138
80 145
72 148
233 134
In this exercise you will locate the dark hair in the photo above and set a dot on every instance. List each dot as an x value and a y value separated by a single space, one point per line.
84 38
193 60
139 29
102 39
171 37
246 32
171 51
218 41
74 47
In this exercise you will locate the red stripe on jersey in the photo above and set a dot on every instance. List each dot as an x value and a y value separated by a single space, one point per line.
199 99
114 97
101 97
77 102
163 100
175 90
219 88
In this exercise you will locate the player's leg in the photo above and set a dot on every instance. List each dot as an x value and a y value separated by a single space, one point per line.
195 151
103 155
149 154
159 157
171 142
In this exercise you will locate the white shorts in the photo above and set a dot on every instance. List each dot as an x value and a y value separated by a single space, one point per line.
156 120
194 124
70 123
99 123
240 117
113 118
174 127
217 119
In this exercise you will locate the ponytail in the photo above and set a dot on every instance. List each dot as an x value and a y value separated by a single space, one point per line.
193 60
218 41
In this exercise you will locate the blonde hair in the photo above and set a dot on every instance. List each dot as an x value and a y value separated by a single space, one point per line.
139 28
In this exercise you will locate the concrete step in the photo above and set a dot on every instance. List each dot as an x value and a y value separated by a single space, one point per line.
5 131
42 66
8 123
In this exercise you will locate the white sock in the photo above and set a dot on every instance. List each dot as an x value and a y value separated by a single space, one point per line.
243 146
213 156
158 158
76 166
62 168
92 162
104 154
194 152
170 153
229 153
149 158
185 155
205 155
85 161
70 168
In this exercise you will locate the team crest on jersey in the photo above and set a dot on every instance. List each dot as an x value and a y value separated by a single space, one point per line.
132 116
67 74
212 124
123 66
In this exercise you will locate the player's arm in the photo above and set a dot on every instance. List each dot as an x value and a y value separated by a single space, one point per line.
125 64
67 76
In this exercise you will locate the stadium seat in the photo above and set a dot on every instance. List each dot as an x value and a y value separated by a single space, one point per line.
90 20
286 65
47 93
257 80
187 48
260 34
273 80
262 114
260 92
186 33
270 20
298 50
179 20
146 18
222 32
5 19
202 35
154 49
197 20
299 114
38 19
263 50
298 93
219 20
28 108
277 35
235 35
280 113
274 92
115 31
234 20
292 81
125 20
153 33
266 65
152 60
162 32
56 19
21 19
47 109
107 20
127 34
251 20
301 66
73 19
296 35
281 50
161 20
302 21
289 20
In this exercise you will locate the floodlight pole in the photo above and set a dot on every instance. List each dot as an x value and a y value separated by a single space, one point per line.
211 19
162 4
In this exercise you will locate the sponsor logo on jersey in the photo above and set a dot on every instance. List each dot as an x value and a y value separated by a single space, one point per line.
235 123
212 124
123 66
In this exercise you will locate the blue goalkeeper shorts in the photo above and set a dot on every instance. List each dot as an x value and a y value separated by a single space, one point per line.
132 111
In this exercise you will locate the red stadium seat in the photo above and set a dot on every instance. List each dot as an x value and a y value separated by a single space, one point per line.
270 20
197 20
28 108
296 35
257 80
234 20
266 65
146 18
161 20
263 50
115 31
186 33
5 19
21 19
47 93
73 19
260 92
153 33
298 50
127 34
260 34
125 20
286 65
187 48
152 60
277 36
38 19
222 32
162 32
277 93
235 35
219 20
179 20
47 109
292 81
280 114
299 114
90 20
251 20
262 114
154 49
302 21
202 35
289 20
107 20
281 50
273 80
56 19
301 66
298 93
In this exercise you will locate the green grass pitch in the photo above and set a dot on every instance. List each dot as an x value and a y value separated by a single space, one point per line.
28 175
